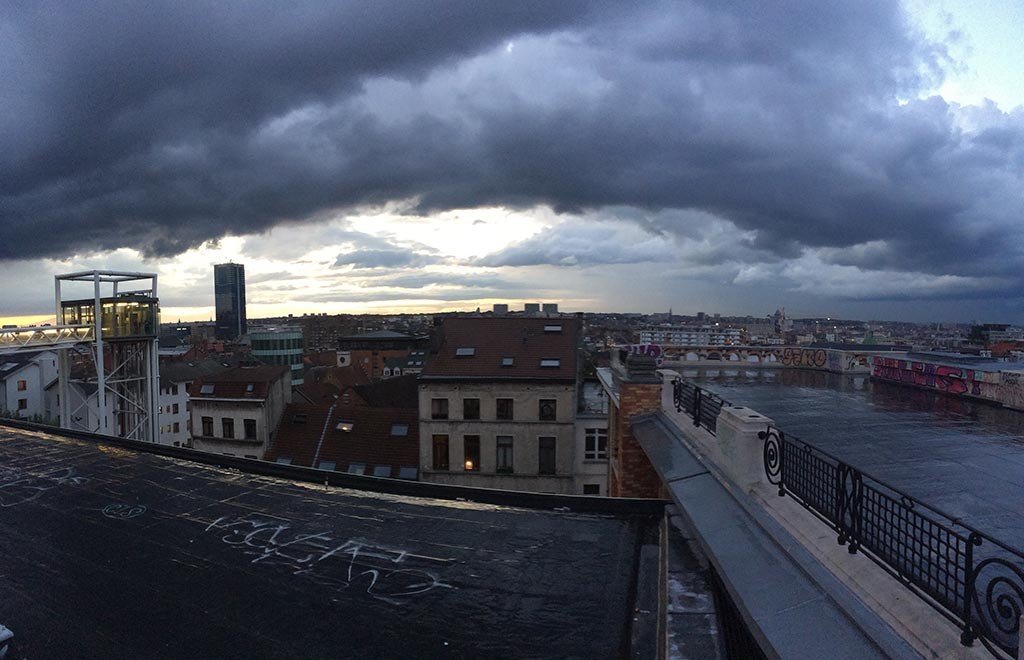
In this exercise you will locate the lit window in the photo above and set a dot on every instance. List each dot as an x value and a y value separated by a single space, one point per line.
399 430
465 352
471 443
550 362
345 426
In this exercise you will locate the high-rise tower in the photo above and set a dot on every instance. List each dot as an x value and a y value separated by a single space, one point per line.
229 298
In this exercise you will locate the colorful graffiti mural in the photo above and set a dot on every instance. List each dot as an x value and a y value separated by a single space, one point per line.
776 356
944 378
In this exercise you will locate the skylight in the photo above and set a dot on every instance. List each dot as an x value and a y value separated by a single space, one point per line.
299 418
382 471
399 430
7 366
356 468
407 472
250 387
465 352
552 328
206 389
284 460
345 426
327 465
550 362
507 361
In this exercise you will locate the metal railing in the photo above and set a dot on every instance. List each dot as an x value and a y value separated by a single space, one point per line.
700 404
968 576
41 337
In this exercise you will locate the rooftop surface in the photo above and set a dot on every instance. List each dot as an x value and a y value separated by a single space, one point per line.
110 552
505 348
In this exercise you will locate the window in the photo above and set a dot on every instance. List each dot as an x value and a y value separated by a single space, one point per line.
177 427
208 426
407 472
546 455
250 429
174 390
382 471
284 460
327 465
439 409
206 389
591 489
228 427
504 453
507 361
550 362
22 404
440 452
465 352
249 387
22 385
548 408
174 409
399 430
503 409
472 453
357 468
345 426
596 444
471 409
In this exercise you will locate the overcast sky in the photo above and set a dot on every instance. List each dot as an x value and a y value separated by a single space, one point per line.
855 159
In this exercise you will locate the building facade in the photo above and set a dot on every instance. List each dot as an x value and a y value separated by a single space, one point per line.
691 335
279 346
237 412
497 405
229 299
24 379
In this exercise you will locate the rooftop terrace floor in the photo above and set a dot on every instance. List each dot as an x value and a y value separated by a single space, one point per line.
107 552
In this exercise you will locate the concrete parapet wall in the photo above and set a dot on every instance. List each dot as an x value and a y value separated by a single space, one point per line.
786 357
1005 388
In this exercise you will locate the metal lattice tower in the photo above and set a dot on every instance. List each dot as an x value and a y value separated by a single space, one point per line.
120 330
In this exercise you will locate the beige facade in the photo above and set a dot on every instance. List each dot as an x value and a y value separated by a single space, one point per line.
527 431
209 415
591 466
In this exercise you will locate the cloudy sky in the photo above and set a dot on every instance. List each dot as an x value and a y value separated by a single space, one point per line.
859 159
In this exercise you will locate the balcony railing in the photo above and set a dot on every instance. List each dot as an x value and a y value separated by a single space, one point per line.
700 404
969 577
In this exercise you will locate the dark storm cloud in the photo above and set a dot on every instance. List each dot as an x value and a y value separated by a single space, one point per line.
162 128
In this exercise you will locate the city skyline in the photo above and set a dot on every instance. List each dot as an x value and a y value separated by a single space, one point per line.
603 159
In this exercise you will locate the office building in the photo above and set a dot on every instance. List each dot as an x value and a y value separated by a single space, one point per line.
229 298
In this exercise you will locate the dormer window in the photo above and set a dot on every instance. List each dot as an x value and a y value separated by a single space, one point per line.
206 389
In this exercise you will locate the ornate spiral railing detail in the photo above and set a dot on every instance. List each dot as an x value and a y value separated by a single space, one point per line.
968 576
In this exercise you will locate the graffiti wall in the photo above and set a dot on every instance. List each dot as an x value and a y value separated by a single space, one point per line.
1003 387
766 356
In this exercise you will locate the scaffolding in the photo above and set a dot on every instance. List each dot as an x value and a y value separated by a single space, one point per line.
120 330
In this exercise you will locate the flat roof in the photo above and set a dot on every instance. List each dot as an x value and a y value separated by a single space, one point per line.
107 551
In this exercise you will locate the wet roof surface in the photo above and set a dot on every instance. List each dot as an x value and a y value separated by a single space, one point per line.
106 552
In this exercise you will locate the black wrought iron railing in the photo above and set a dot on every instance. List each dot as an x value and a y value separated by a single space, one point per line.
700 404
970 577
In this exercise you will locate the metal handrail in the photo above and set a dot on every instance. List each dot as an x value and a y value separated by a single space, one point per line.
967 575
700 404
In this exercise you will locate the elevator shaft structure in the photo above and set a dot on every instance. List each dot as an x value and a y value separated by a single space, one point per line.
119 394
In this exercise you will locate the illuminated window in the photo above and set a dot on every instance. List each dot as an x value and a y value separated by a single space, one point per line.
471 444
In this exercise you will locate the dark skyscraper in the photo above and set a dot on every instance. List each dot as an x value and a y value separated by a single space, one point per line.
229 297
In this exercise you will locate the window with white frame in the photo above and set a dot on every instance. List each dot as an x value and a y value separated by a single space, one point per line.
596 444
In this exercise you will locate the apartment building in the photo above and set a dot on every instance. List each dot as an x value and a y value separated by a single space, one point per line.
498 402
24 379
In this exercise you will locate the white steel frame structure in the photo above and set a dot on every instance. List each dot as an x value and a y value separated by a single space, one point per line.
132 380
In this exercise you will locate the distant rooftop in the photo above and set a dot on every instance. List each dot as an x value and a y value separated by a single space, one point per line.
113 549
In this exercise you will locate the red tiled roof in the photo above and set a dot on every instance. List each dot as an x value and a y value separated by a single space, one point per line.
369 442
524 340
234 383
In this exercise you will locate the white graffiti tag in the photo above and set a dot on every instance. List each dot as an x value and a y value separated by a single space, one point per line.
390 575
18 487
123 511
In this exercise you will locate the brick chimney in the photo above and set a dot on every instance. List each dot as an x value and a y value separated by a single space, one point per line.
639 391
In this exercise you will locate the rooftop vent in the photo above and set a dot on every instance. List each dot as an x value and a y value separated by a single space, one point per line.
550 362
465 352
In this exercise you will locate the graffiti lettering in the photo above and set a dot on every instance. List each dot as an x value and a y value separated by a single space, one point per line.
391 575
18 487
123 511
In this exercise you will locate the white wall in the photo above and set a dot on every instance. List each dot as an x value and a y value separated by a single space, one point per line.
36 375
